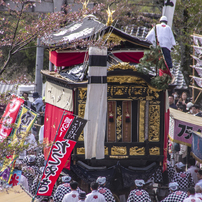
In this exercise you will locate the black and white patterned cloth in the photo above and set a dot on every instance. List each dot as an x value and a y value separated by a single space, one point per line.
157 176
138 195
40 159
171 172
177 196
106 193
61 191
184 180
35 186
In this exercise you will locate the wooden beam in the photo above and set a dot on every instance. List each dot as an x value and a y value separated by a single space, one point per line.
195 87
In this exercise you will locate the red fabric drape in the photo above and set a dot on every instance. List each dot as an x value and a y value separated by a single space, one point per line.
66 59
166 131
132 57
75 58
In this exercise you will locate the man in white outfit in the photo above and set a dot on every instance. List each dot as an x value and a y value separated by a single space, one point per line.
94 196
165 38
73 196
191 196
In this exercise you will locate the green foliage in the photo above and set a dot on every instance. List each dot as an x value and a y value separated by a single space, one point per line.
154 58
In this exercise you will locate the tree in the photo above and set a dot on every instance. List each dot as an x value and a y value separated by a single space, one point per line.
19 28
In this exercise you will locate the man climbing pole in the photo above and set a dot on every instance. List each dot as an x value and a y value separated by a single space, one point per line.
165 39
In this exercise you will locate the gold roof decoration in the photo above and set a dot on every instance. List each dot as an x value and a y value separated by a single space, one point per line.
110 19
85 4
113 37
122 66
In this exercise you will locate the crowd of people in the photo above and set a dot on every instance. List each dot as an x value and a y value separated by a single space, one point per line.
183 185
184 104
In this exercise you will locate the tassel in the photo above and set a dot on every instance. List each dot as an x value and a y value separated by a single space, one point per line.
127 118
127 115
111 117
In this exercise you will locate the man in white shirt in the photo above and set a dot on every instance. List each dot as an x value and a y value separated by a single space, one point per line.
165 38
199 175
198 192
94 196
193 169
73 196
191 196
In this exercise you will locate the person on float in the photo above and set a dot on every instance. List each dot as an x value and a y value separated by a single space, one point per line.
165 38
63 189
72 196
184 179
191 196
175 195
103 190
94 196
139 194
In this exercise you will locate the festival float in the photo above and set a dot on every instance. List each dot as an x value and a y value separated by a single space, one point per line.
122 98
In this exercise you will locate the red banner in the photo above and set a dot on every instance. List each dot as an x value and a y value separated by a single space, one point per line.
52 119
58 157
9 117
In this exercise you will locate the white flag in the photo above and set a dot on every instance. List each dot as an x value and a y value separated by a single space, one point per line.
168 10
198 81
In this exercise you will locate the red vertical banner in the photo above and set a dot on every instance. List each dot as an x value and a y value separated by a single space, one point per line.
9 117
52 119
166 130
59 154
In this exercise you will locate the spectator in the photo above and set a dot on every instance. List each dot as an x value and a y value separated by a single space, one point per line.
25 95
191 196
183 101
38 103
171 102
199 175
198 192
196 110
189 107
193 169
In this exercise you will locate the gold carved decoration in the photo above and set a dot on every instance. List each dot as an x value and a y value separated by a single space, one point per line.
119 92
81 110
122 66
119 123
118 157
115 150
113 37
137 151
80 150
106 151
124 79
82 93
154 151
154 123
81 137
142 121
110 19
